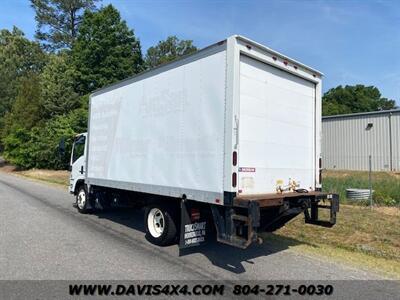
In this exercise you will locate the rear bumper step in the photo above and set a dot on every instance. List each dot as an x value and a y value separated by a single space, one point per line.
311 214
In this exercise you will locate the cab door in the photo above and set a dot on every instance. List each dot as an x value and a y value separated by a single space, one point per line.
78 161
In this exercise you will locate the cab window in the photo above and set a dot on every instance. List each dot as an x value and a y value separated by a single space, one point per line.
79 148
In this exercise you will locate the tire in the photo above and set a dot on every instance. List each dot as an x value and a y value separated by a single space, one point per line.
82 200
161 226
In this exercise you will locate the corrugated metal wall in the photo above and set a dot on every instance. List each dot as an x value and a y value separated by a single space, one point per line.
346 142
396 141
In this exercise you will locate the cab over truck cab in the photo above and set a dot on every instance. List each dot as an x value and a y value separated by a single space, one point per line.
225 140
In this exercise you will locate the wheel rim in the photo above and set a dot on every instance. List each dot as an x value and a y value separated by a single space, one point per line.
155 222
81 199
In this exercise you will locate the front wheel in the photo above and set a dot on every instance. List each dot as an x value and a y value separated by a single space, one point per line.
160 223
82 200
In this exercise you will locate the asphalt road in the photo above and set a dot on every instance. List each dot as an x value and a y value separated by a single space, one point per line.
42 236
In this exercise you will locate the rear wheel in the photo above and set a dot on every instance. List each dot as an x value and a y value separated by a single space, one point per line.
160 223
82 200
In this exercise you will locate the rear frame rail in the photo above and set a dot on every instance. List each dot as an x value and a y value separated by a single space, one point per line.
236 229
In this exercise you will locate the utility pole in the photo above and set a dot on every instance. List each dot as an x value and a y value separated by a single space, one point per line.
370 180
368 129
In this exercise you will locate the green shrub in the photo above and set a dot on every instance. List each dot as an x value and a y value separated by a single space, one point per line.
16 149
39 146
386 186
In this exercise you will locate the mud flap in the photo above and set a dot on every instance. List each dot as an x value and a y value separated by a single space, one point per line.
193 231
311 214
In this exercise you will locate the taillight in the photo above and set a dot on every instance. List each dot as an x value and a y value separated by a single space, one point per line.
234 158
234 179
194 214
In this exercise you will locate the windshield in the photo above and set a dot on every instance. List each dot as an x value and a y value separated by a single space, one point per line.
79 147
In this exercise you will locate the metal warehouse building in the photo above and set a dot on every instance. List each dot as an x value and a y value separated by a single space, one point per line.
348 140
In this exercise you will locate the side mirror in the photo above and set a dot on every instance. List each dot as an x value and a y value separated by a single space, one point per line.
61 147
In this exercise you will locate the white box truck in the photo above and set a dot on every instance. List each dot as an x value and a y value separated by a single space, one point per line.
225 141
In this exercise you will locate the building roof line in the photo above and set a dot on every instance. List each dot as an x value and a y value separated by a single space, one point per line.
391 111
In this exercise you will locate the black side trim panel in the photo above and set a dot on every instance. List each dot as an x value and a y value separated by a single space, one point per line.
228 198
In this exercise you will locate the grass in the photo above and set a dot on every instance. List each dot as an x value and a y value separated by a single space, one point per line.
369 237
386 267
60 177
386 185
358 229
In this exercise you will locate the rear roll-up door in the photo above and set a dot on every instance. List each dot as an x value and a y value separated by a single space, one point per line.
277 128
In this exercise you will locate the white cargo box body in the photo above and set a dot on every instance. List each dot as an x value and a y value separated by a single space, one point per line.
174 130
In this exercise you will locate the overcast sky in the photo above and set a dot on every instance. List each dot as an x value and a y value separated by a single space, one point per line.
349 41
